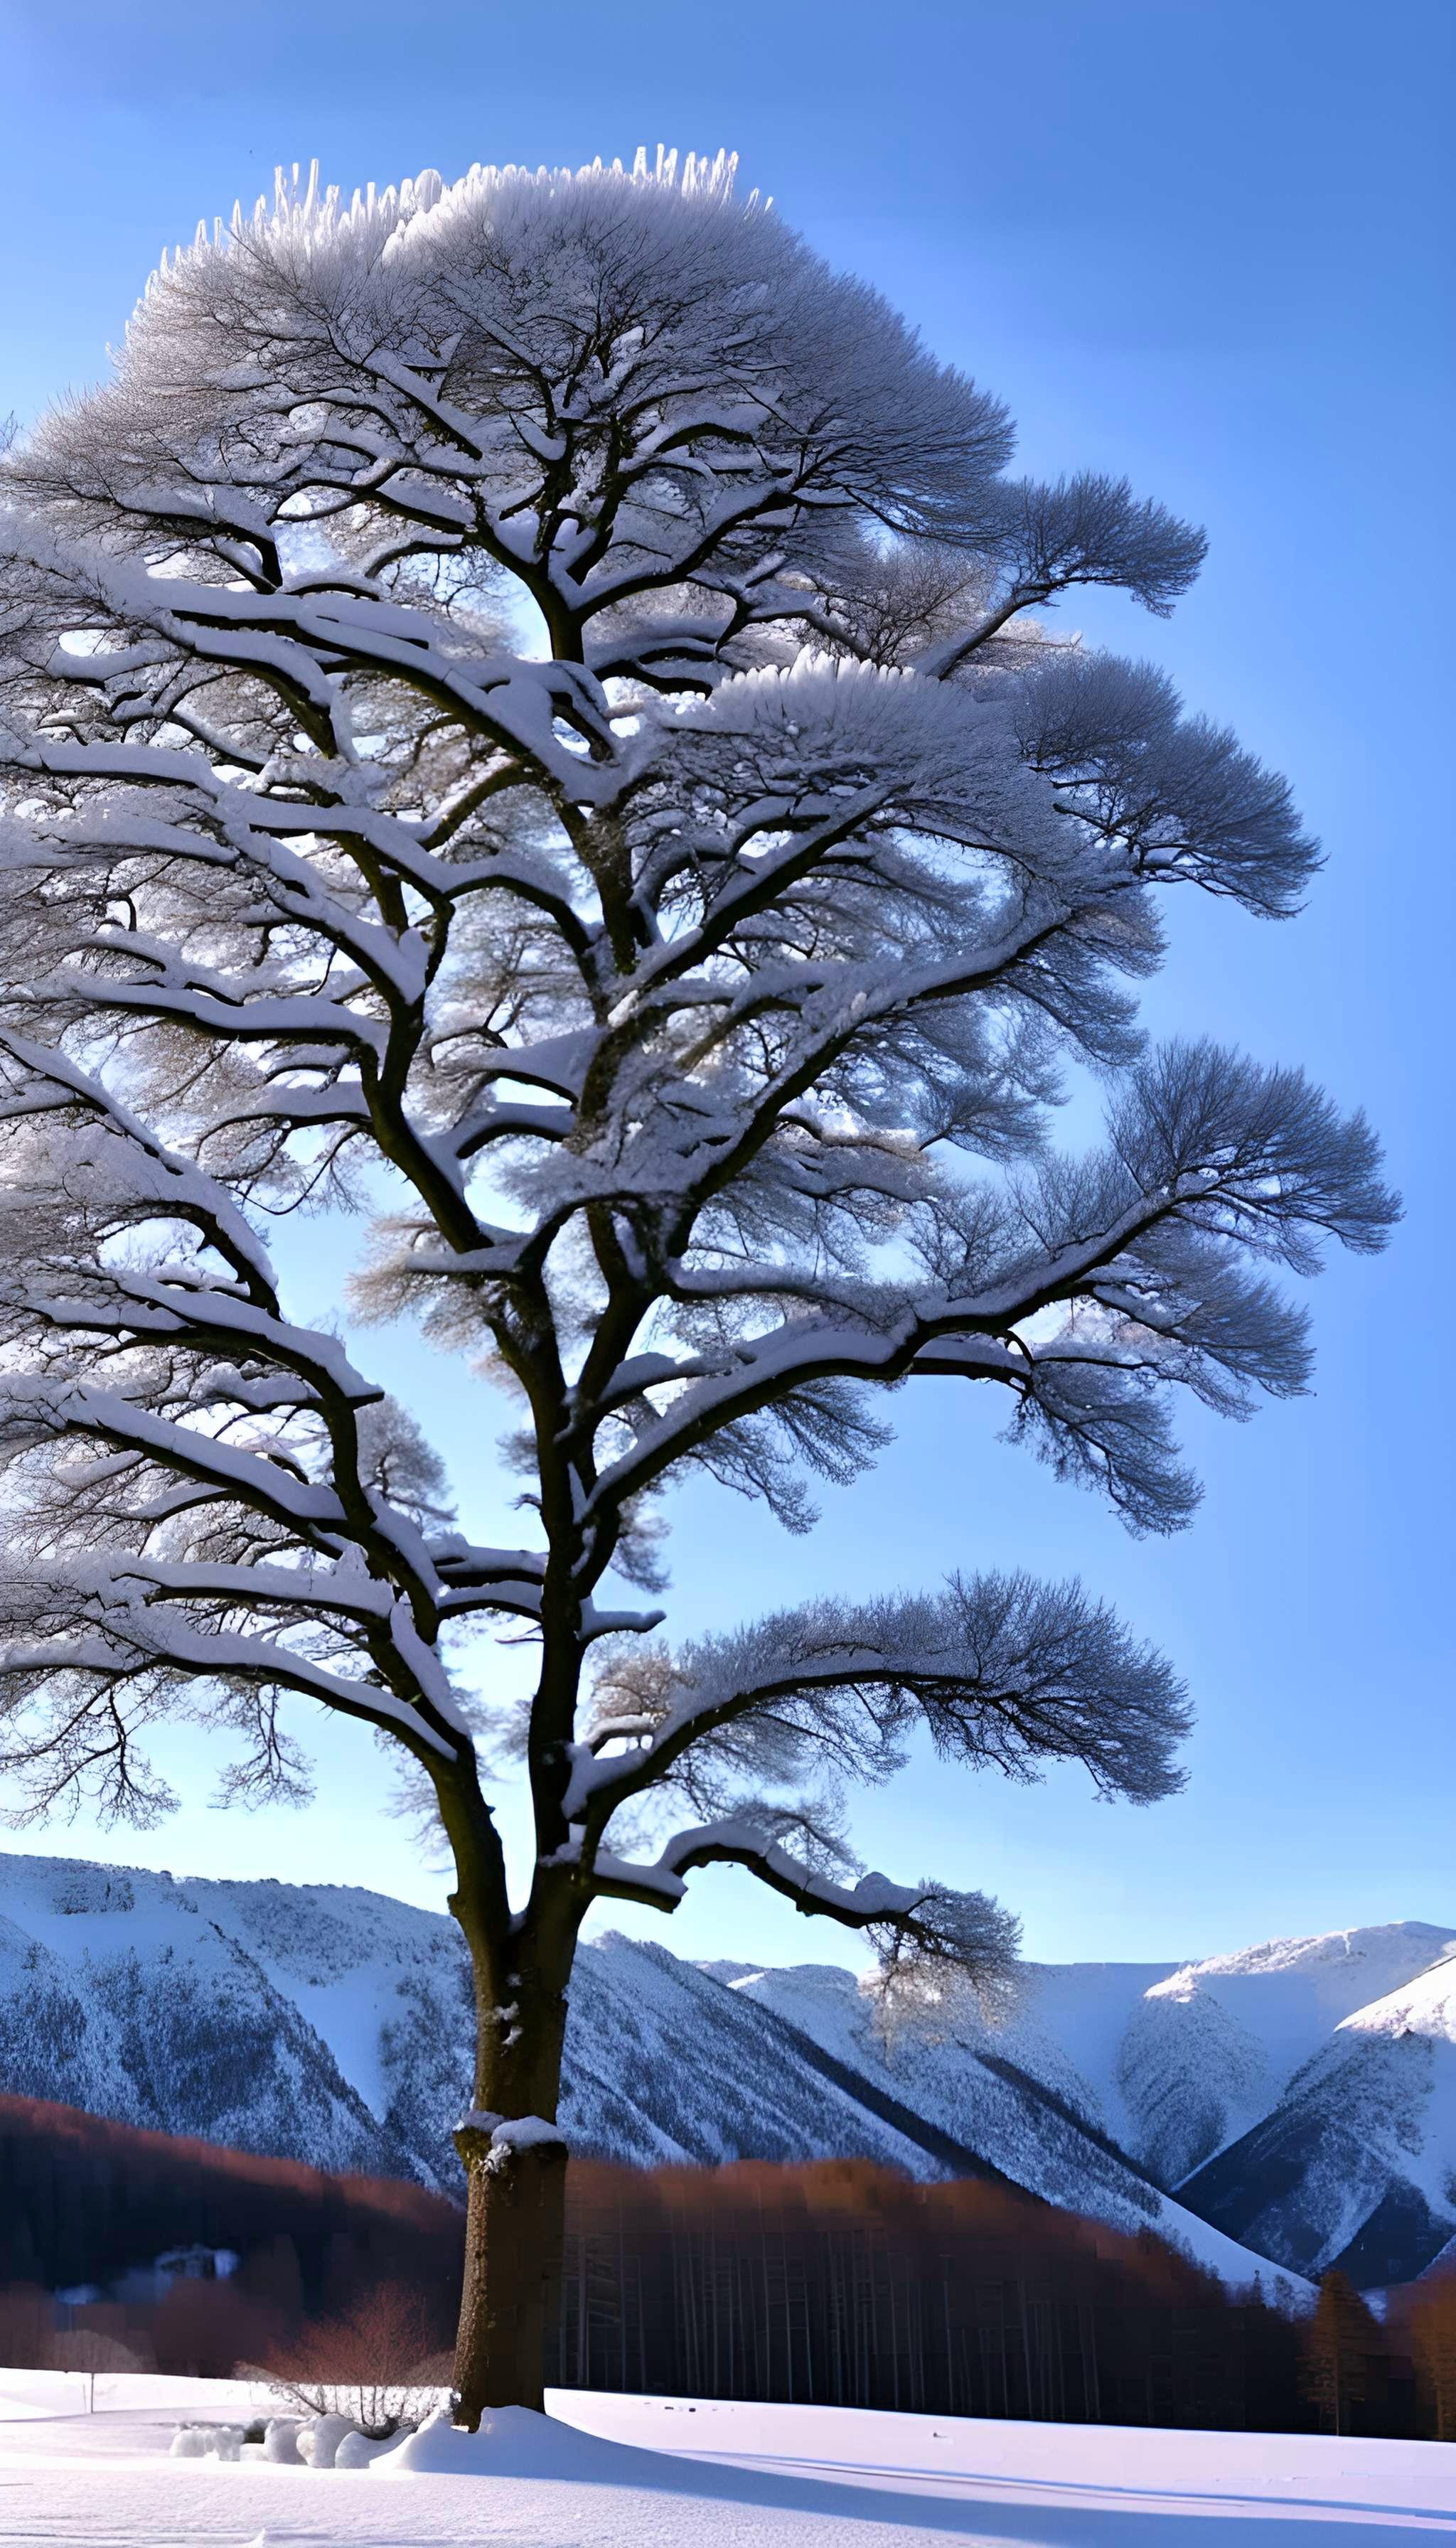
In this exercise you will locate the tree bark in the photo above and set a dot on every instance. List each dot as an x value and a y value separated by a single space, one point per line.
514 2163
513 2238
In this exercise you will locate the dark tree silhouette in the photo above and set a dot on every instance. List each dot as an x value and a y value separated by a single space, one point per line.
1342 2351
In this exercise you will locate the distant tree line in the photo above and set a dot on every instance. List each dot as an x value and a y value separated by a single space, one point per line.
837 2283
84 2200
844 2284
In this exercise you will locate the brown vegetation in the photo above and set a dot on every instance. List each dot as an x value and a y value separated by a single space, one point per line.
841 2283
1343 2358
1421 2322
846 2284
367 2363
84 2199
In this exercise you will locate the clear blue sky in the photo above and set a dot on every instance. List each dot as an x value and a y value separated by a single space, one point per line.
1197 240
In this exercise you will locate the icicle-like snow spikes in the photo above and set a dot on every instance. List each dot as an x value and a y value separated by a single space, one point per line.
308 212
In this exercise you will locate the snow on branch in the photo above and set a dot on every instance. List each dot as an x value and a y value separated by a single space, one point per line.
1140 1249
914 1925
680 995
91 1659
1002 1671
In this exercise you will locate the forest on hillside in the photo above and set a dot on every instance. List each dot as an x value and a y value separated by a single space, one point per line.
837 2283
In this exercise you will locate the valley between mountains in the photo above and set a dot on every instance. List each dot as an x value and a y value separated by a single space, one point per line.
1292 2106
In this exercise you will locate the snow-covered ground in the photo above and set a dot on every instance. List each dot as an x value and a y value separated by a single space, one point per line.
656 2473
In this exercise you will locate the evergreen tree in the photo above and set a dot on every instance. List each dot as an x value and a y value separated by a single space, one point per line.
1342 2353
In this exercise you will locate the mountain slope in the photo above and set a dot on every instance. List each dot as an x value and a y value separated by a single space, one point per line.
1355 2165
1298 2100
1213 2046
1299 2096
1010 2092
334 2025
119 1995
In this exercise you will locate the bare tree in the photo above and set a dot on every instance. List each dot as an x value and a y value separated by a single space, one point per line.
523 715
372 2362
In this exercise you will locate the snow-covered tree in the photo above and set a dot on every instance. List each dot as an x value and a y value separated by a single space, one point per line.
524 714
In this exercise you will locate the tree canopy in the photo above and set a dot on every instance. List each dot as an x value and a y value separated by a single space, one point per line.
526 713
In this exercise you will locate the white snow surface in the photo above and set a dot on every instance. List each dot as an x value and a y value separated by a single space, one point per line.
607 2472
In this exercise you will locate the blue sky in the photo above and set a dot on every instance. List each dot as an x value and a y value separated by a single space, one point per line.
1198 240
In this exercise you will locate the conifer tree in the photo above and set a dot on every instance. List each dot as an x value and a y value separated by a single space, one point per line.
1341 2354
1426 2321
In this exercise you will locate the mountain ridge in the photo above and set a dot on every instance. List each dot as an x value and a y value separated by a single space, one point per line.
1290 2106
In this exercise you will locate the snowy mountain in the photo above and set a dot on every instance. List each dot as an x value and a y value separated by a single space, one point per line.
1300 2096
153 2002
1357 2160
1295 2103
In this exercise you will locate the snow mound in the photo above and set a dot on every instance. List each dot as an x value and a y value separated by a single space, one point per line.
516 2442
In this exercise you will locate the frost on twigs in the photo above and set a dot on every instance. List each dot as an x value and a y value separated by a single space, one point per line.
530 717
957 1949
999 1669
763 1732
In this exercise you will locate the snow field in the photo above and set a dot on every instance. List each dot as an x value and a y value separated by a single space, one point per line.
612 2472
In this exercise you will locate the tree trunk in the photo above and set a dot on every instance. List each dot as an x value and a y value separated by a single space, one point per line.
515 2168
513 2238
